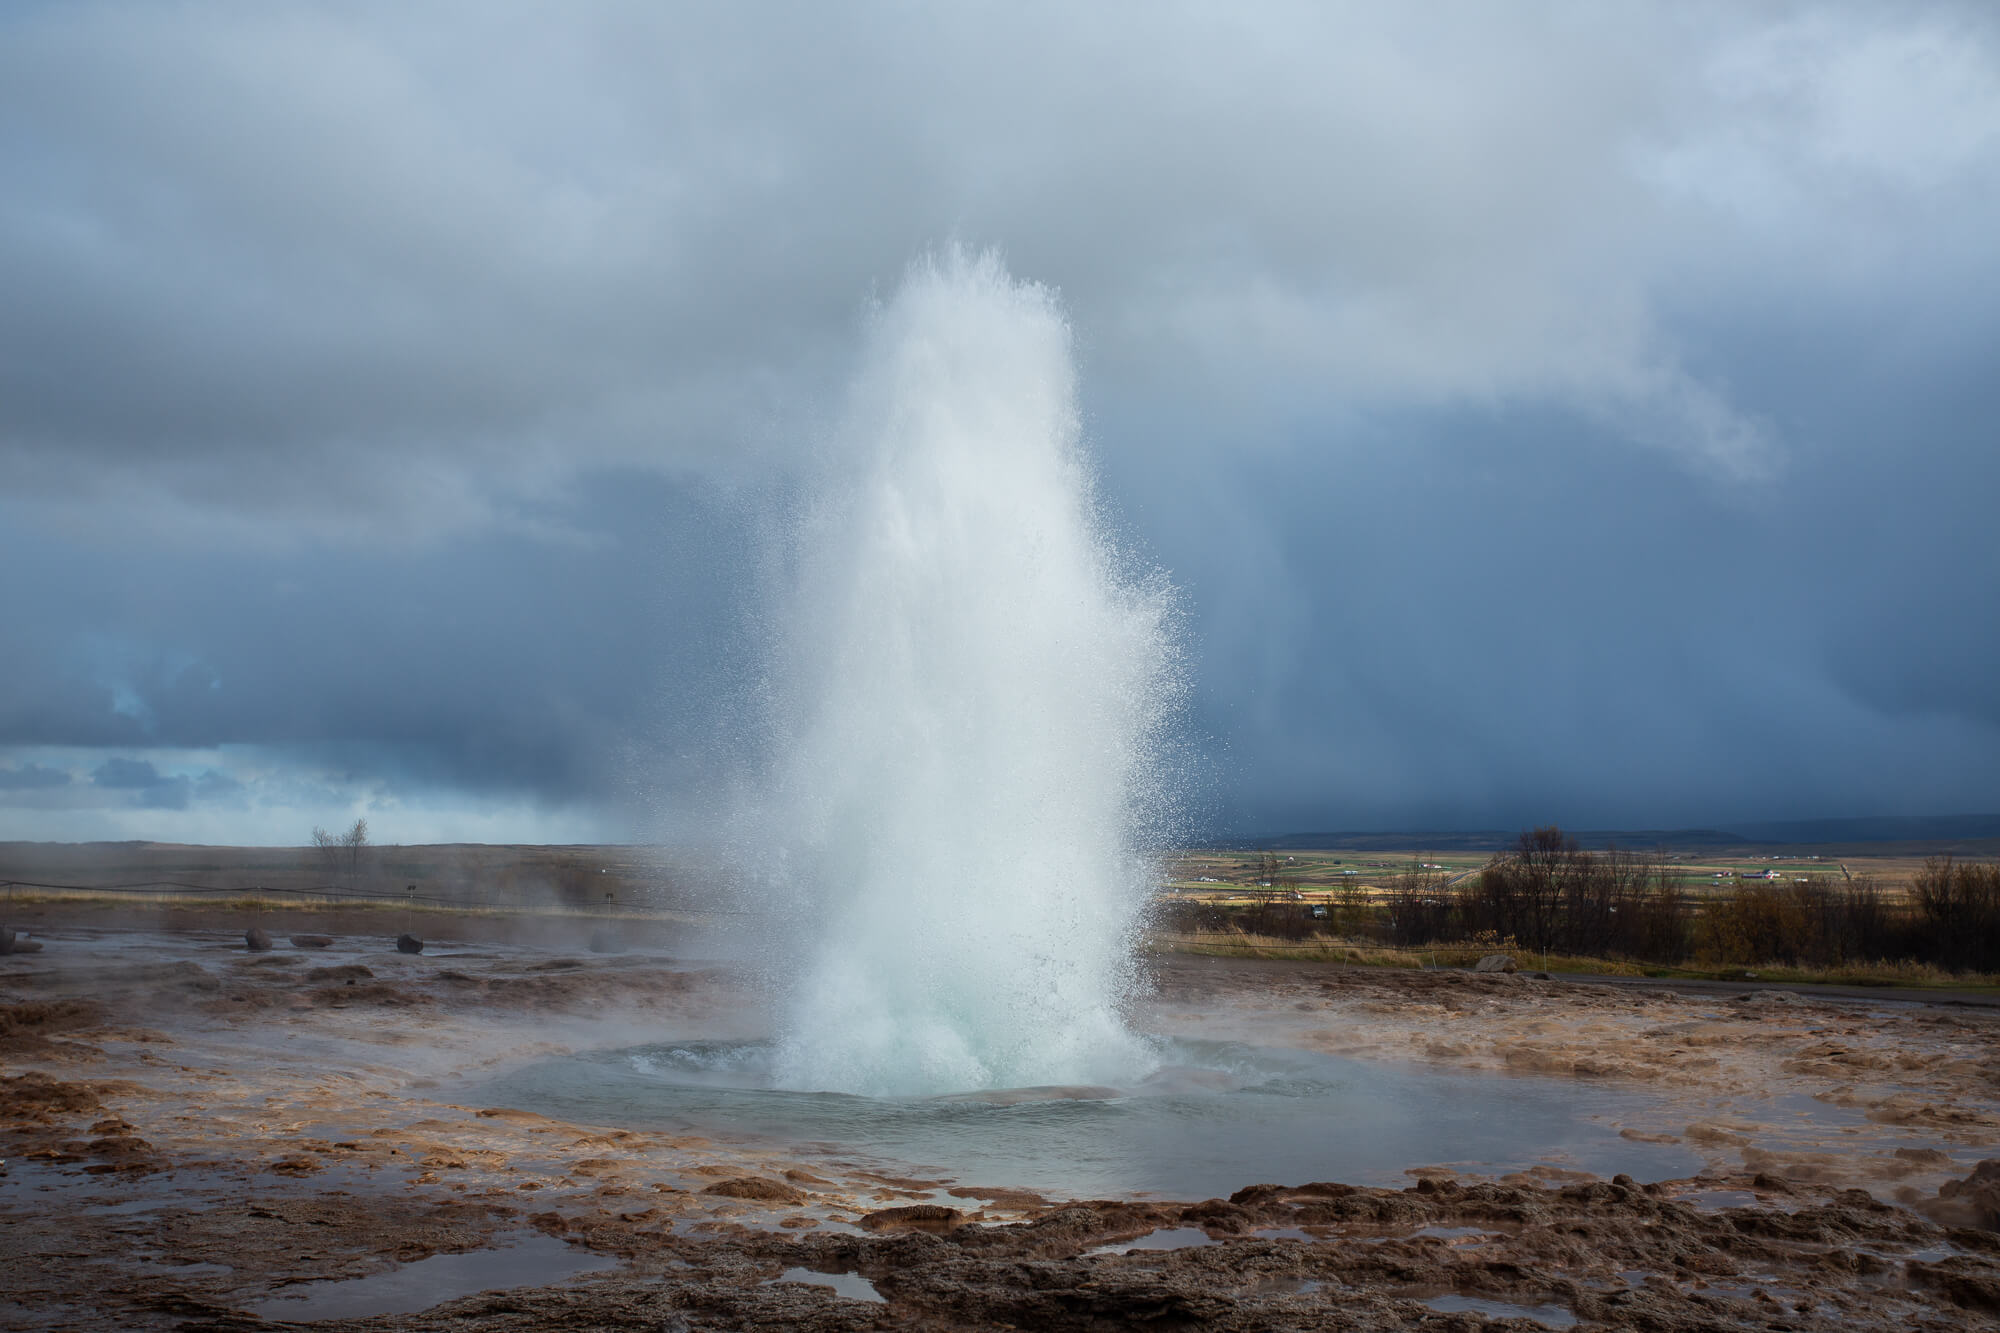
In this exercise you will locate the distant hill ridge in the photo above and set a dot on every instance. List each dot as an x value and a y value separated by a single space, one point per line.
1809 832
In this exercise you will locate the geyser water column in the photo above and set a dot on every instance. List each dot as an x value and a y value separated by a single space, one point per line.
971 703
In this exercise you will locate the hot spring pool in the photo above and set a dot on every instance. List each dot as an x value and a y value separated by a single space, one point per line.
1215 1117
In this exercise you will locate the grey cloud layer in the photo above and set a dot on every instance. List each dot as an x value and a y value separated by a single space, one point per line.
395 388
246 246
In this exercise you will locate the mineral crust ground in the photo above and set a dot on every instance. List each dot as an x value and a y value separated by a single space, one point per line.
201 1136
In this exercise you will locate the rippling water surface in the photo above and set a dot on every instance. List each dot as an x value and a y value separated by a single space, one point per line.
1216 1116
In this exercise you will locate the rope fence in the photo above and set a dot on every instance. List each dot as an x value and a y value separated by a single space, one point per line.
644 904
161 886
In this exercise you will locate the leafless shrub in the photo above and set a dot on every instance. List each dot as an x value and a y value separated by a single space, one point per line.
1420 908
1810 924
1957 905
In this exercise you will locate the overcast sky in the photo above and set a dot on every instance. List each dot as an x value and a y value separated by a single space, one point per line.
1549 412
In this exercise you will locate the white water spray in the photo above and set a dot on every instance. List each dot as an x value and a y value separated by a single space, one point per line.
971 710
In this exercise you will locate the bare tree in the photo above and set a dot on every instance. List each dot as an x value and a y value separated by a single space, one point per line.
1267 870
341 852
353 841
1532 891
1419 905
328 848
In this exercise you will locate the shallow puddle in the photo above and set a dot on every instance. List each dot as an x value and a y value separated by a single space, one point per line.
534 1260
1751 1287
1930 1254
1166 1238
1553 1316
851 1286
129 1206
1450 1233
1719 1199
183 1269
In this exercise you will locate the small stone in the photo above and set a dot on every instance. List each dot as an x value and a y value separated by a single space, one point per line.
408 943
1495 962
311 941
256 940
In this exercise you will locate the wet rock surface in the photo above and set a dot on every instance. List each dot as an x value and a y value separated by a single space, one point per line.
190 1135
14 942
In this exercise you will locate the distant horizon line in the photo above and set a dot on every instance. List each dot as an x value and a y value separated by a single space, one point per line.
1857 828
1802 832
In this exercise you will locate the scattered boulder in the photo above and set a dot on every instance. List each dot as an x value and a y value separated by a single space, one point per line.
408 943
913 1217
36 1097
311 941
1971 1202
1958 1282
1495 962
26 1028
256 940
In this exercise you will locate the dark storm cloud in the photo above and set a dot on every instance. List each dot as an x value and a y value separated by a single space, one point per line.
127 775
501 663
1567 411
1445 635
31 777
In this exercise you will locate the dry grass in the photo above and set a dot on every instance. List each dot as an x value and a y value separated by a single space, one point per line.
1902 973
1240 944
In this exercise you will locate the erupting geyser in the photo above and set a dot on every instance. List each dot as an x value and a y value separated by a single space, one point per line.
971 705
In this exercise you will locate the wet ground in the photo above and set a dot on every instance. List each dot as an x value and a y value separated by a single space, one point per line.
196 1136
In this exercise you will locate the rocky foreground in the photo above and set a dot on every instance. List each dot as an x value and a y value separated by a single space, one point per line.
198 1135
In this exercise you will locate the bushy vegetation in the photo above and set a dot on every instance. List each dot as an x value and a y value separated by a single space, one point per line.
1958 914
1801 925
1548 896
